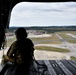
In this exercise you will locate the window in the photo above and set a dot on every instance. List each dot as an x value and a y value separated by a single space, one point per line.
51 27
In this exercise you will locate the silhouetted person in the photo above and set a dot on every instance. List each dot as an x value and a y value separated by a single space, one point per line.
21 51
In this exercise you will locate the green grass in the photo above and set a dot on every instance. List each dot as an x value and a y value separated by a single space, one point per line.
53 42
72 41
47 40
67 37
73 58
73 32
51 49
63 35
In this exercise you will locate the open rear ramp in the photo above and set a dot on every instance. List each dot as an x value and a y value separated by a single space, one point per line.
51 67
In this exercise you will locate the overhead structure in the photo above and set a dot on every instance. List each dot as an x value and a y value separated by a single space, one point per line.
6 8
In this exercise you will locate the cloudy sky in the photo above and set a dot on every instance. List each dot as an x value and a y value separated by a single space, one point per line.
44 14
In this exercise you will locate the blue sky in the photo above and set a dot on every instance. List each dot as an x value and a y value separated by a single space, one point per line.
43 14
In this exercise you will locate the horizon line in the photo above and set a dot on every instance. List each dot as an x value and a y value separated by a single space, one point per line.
44 26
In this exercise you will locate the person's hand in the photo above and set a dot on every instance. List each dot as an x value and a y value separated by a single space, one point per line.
6 58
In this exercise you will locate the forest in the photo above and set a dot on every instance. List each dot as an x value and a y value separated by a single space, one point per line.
48 29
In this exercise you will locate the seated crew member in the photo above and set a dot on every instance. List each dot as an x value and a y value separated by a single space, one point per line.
21 52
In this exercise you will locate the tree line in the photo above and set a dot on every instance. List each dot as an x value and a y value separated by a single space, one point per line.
47 28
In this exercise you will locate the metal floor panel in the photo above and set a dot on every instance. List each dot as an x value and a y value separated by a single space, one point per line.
54 67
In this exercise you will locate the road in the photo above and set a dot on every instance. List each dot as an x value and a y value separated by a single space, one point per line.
71 47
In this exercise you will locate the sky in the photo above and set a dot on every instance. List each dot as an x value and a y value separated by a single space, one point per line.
29 14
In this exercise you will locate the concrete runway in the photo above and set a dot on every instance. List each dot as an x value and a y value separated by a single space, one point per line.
71 47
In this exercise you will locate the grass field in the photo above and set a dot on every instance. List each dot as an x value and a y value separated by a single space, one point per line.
68 38
47 40
73 58
72 41
64 36
73 32
51 49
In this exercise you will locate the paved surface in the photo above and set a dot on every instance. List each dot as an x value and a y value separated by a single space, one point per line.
50 55
71 47
54 67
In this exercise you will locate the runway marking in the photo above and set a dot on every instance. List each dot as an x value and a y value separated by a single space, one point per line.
67 72
50 68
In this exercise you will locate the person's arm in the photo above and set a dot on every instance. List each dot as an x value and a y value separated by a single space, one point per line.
10 53
11 50
6 58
